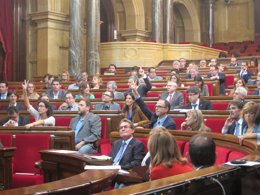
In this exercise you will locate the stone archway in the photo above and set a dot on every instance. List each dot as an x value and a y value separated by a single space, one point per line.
186 22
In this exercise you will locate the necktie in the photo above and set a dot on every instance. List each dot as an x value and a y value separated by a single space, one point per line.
237 129
194 106
170 98
105 107
69 107
119 154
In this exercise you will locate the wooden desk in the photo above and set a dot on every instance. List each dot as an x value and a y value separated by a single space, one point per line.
6 155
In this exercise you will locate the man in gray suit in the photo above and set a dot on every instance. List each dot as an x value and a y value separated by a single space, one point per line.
108 104
174 97
111 86
87 127
70 103
56 92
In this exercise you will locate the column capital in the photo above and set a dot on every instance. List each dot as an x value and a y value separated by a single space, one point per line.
135 35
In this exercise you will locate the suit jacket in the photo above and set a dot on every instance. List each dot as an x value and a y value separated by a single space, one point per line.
118 95
19 106
169 123
177 99
222 82
61 94
23 120
112 106
142 89
133 155
203 105
245 76
256 92
231 129
90 130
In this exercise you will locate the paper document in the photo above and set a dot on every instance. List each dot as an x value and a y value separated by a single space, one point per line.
102 157
89 167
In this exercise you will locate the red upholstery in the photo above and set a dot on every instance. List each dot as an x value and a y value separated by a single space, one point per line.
151 106
123 86
211 89
145 141
230 80
98 95
235 155
105 145
104 128
181 145
221 155
62 121
152 94
219 105
178 122
215 124
31 119
184 93
6 139
26 154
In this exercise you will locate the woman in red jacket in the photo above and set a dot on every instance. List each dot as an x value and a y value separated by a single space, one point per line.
166 158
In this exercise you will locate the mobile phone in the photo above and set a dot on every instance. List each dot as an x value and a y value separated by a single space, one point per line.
239 161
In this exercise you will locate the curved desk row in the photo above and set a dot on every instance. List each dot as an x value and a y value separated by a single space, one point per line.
67 167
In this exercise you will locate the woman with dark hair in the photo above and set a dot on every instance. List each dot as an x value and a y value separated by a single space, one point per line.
204 90
238 83
132 111
85 92
174 78
166 159
43 116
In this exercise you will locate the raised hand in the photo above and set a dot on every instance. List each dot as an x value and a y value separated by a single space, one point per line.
25 85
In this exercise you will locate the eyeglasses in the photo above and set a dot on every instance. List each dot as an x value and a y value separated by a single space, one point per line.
41 106
157 106
124 127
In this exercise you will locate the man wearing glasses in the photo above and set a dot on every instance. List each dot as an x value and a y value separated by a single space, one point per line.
195 102
108 103
14 119
158 118
127 152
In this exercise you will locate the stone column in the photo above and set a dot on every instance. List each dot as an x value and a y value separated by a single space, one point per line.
93 36
211 22
168 22
157 21
77 49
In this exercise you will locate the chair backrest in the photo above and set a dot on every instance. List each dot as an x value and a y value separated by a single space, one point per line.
104 126
62 121
6 139
27 151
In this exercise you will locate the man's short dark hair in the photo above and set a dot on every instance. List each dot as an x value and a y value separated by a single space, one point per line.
4 82
238 104
149 69
202 150
167 104
112 65
11 110
193 89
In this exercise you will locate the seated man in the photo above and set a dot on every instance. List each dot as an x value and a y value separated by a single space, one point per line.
216 75
233 62
195 102
14 119
3 90
244 73
127 152
84 76
202 151
193 72
152 75
56 92
87 127
257 91
70 104
111 86
142 87
158 118
234 124
108 103
111 70
76 86
240 94
174 97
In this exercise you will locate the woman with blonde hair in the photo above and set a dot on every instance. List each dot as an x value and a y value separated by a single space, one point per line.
194 121
31 92
65 76
166 159
251 115
96 82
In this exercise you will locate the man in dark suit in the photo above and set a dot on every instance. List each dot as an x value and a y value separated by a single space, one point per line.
244 73
3 90
174 97
142 87
127 152
14 119
215 75
87 127
196 103
158 118
234 124
56 92
257 91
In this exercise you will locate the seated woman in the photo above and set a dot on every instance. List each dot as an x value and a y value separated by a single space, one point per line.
96 82
204 90
238 83
65 76
194 121
251 115
175 78
166 158
43 116
31 93
85 92
133 113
